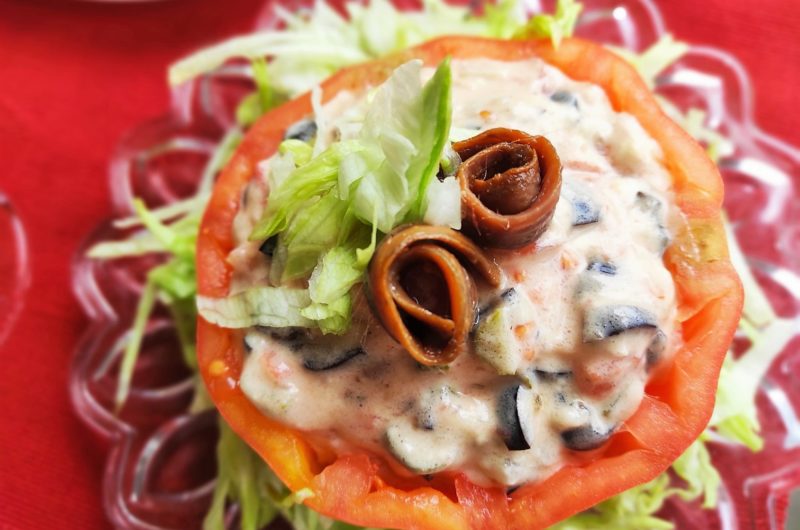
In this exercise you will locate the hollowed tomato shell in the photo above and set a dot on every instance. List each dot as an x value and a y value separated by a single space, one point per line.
360 488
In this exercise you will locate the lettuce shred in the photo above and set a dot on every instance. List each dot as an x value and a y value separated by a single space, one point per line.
286 63
556 26
244 479
316 44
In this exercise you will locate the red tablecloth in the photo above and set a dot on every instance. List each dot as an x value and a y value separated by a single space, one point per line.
73 77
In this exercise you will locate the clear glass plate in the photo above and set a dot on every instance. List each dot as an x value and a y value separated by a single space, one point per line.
15 277
159 471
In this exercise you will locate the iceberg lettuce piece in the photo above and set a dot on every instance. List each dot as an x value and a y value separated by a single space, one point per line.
277 307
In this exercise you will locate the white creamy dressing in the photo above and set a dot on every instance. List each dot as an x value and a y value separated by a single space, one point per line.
569 387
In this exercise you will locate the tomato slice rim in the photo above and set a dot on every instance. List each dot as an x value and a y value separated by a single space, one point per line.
359 488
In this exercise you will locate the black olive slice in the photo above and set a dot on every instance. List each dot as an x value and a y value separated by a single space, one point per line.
584 438
268 246
331 359
303 130
584 209
652 206
656 349
426 419
564 97
547 375
606 321
602 267
506 296
584 212
509 422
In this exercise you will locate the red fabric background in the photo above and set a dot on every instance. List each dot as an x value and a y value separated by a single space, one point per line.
73 78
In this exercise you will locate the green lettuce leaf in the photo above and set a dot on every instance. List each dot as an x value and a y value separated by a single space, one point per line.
329 288
702 478
404 135
306 182
242 477
556 26
655 59
317 43
327 209
133 343
312 231
277 307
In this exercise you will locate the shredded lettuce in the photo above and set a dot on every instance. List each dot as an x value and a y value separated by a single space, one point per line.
556 26
404 134
702 479
329 288
328 209
316 44
757 309
655 59
134 342
171 283
324 224
242 477
276 307
306 182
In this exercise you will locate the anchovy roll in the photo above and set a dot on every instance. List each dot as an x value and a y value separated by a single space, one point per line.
422 293
510 185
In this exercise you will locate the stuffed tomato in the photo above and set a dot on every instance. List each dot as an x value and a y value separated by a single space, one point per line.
479 284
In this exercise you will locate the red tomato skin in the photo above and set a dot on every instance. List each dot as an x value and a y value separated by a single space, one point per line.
360 488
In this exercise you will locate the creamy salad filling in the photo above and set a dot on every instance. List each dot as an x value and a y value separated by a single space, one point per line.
559 355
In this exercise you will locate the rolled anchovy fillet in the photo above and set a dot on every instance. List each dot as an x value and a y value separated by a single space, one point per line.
423 295
585 438
303 130
510 185
606 321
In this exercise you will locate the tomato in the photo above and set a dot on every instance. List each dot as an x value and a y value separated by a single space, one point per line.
360 488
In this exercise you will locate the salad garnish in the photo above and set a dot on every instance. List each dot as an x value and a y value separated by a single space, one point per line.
286 63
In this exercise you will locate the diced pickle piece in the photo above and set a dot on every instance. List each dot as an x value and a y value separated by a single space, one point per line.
495 340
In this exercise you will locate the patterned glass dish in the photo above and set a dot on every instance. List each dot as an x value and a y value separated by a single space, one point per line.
160 469
15 275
